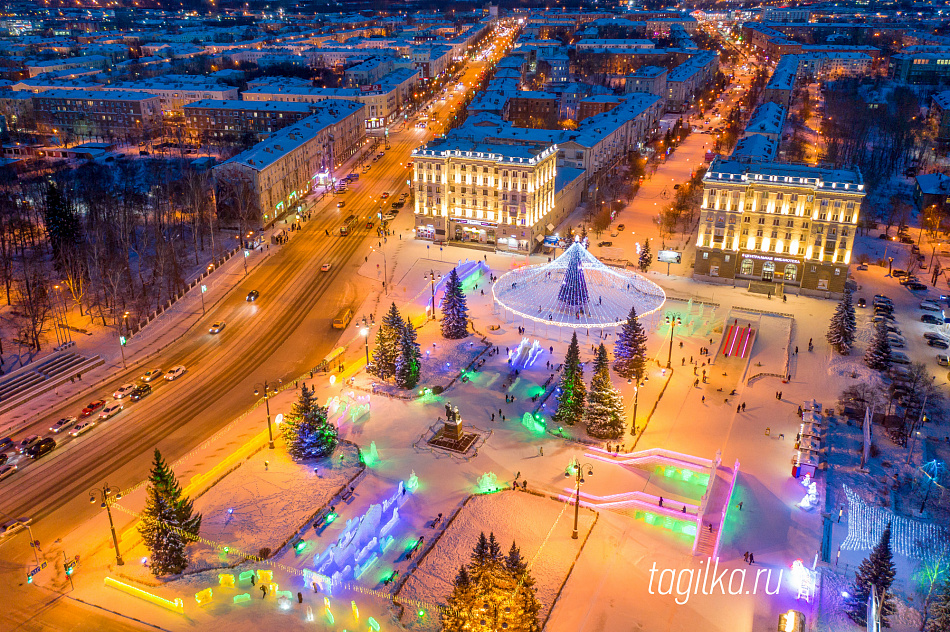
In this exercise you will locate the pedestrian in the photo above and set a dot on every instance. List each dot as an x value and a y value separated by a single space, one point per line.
796 349
690 359
493 416
704 399
684 508
524 484
263 591
503 419
751 558
316 587
684 362
608 446
253 580
661 501
541 451
710 527
738 409
740 505
745 557
780 395
266 464
743 406
299 597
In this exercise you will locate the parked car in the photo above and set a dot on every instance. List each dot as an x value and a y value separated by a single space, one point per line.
916 287
141 391
930 305
620 227
151 375
217 327
81 427
111 410
943 359
92 407
896 342
252 296
899 357
27 443
124 391
893 328
7 470
62 424
42 448
175 372
878 317
930 319
932 335
881 297
937 343
898 273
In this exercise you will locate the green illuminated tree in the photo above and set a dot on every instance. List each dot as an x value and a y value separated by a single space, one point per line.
306 430
454 309
604 404
570 403
631 348
168 521
408 364
387 345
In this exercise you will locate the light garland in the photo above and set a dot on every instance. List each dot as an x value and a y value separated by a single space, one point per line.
910 538
577 291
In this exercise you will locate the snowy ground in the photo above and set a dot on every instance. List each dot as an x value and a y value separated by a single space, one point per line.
541 528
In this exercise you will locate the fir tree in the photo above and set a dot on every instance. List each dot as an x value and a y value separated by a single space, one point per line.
570 404
630 349
604 404
307 432
168 521
493 592
408 363
646 257
878 354
387 345
877 571
843 325
938 614
454 309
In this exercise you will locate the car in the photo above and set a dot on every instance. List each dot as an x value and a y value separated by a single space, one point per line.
930 306
908 279
4 457
92 407
892 328
7 470
5 443
606 244
325 267
930 335
216 327
141 391
340 204
907 240
937 343
81 427
124 391
943 359
896 341
388 217
42 448
898 273
27 443
384 195
930 319
916 287
878 317
899 357
620 227
175 372
862 302
62 424
881 297
13 525
111 410
883 309
252 296
369 225
150 375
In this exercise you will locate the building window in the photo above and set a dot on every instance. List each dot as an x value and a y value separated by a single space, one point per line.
746 267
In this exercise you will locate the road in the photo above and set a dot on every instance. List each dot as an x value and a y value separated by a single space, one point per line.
284 333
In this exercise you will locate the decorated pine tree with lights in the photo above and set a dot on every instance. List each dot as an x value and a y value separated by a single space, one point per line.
604 403
454 309
938 614
878 354
646 257
168 521
306 430
876 571
492 592
409 361
843 325
630 349
570 402
387 345
573 291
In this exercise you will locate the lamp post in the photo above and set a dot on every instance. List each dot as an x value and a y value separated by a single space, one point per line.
34 543
636 392
578 480
107 495
672 322
432 277
268 391
364 331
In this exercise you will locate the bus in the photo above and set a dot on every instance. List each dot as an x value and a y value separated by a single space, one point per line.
347 226
343 319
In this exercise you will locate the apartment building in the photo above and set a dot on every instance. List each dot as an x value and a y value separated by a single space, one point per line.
781 224
290 163
175 92
70 63
102 113
685 81
213 120
484 193
648 80
533 109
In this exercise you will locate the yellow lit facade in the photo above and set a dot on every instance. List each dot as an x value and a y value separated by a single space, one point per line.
778 223
497 195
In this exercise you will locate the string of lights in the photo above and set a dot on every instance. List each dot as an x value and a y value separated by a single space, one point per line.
910 538
576 290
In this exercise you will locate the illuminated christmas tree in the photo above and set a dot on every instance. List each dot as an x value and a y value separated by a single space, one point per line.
570 403
306 430
387 345
408 363
168 521
573 291
454 309
604 404
631 348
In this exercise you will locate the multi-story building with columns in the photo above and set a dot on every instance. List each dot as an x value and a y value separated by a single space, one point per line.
778 223
501 195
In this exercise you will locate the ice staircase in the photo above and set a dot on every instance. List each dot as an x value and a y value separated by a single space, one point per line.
34 379
706 542
646 459
633 500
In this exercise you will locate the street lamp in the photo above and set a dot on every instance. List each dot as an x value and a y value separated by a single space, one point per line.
107 495
578 471
432 277
268 391
364 331
672 322
636 393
